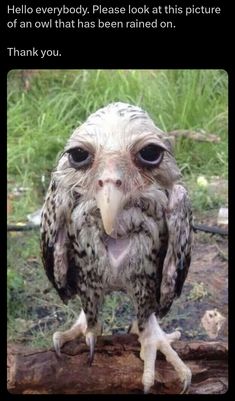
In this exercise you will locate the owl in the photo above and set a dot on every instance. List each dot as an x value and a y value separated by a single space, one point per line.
116 218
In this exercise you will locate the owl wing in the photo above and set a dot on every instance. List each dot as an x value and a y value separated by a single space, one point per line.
57 255
178 254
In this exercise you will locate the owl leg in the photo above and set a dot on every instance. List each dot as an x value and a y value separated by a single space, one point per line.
79 328
153 338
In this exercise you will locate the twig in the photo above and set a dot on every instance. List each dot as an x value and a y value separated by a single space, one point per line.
197 136
196 227
24 227
210 229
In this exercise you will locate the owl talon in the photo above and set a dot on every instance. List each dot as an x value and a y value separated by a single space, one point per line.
186 378
91 340
133 328
58 343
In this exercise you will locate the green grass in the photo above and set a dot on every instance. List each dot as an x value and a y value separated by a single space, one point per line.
40 121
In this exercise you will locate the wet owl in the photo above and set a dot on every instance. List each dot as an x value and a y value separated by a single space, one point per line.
116 217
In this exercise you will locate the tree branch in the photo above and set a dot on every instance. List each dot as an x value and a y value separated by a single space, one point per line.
117 368
210 229
197 136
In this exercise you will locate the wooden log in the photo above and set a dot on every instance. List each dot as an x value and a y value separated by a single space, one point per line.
117 368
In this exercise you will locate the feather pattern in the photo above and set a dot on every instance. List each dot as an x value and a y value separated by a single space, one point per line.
178 217
152 233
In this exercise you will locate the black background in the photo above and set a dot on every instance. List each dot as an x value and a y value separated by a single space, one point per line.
199 42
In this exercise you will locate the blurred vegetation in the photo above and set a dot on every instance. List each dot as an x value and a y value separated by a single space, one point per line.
45 106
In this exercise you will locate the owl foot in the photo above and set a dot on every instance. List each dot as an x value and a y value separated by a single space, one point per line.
79 328
153 338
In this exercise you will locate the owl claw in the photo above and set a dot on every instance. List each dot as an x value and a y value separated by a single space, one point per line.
90 340
92 353
186 378
58 343
146 389
133 328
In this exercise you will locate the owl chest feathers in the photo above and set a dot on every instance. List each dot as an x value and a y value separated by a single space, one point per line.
137 234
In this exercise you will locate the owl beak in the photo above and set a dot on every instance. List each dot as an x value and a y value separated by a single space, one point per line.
109 200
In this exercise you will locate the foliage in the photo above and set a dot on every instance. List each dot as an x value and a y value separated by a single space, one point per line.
203 199
15 287
198 292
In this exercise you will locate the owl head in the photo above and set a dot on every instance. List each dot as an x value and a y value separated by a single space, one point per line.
116 156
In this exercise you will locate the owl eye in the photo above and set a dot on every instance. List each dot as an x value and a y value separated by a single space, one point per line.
79 157
150 156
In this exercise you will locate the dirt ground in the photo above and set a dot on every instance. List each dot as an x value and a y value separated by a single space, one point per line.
206 289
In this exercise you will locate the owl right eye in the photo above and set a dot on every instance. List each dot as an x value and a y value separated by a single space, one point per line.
79 157
150 156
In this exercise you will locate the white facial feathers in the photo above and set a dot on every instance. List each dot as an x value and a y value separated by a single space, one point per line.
114 136
116 127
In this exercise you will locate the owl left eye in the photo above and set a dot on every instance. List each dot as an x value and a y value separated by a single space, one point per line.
79 157
150 156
